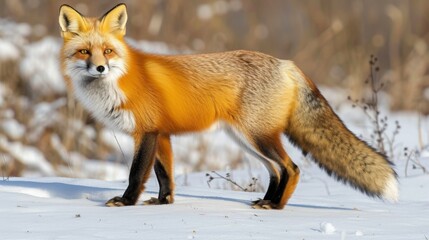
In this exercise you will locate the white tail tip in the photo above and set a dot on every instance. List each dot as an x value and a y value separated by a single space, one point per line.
390 191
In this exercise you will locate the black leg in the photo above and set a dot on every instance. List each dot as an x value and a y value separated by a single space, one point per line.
269 152
277 198
284 178
164 182
164 172
140 170
272 187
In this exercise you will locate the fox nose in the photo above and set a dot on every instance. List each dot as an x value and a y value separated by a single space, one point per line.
100 69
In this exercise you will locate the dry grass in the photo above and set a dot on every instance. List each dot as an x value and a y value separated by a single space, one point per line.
54 124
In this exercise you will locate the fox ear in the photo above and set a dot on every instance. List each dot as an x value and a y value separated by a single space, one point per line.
71 21
114 21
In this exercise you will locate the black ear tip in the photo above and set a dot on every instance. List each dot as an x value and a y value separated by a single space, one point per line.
64 5
121 4
70 7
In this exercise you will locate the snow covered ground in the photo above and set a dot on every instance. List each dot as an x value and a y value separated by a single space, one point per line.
64 208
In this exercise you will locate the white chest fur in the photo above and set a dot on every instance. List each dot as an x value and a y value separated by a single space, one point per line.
102 98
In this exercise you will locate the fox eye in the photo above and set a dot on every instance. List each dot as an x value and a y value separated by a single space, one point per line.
108 51
83 51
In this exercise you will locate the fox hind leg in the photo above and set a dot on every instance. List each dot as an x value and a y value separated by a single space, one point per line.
271 147
164 172
249 145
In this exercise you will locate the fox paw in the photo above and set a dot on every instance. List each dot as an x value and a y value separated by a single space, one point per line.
118 202
264 204
156 201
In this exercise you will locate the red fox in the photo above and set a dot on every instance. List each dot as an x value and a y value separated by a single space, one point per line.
257 98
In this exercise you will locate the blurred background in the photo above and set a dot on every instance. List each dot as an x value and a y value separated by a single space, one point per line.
43 131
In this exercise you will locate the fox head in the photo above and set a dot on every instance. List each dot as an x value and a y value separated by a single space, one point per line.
93 48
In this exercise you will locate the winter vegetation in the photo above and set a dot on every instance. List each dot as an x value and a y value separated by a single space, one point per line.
59 165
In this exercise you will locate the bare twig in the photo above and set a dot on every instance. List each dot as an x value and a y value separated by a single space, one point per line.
391 140
227 177
120 148
413 156
379 123
382 141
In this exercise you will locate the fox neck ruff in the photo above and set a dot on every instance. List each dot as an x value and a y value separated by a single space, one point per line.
103 98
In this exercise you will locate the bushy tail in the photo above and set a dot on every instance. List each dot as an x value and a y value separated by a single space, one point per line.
317 130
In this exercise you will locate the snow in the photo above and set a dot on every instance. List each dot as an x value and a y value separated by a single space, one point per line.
65 208
8 51
108 170
327 228
12 128
30 156
44 77
12 35
45 115
119 141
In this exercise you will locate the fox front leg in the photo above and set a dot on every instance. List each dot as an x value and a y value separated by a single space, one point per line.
164 172
140 170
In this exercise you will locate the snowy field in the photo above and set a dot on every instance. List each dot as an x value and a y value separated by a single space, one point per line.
64 208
